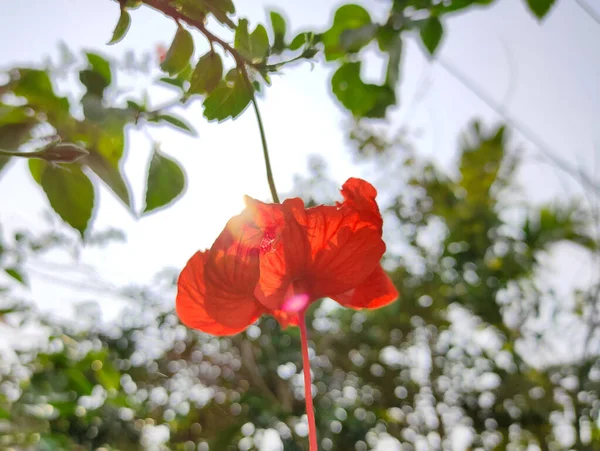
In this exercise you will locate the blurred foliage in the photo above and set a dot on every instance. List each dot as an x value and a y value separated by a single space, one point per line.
92 129
443 361
467 352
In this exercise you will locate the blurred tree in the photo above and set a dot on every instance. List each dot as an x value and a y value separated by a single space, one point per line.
442 365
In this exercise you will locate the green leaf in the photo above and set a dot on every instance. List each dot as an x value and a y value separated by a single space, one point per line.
15 129
180 80
106 149
79 381
135 107
300 40
278 26
35 86
351 30
362 99
4 414
229 99
94 82
482 155
260 44
105 142
254 47
69 190
13 135
16 274
10 114
354 40
166 181
207 74
108 376
122 27
110 174
177 82
179 123
36 168
100 66
198 10
98 77
540 7
431 34
180 52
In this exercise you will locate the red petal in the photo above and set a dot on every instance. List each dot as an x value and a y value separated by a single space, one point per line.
191 299
359 195
346 247
376 291
231 273
285 259
322 251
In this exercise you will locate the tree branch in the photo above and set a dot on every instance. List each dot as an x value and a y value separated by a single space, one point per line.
176 15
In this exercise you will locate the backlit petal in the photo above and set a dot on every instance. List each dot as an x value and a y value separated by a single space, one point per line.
283 262
376 291
346 241
231 273
346 247
322 251
191 299
359 196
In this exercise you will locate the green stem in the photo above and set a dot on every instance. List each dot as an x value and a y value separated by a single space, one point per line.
263 139
273 67
310 410
8 153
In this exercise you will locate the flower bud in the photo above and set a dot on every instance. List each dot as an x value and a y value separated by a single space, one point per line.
63 153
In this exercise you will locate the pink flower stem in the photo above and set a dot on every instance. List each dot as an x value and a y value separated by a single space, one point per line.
310 410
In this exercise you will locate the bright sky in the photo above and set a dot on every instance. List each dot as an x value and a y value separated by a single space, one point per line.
545 75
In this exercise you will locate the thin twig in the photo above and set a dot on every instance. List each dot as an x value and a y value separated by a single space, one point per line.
589 10
529 134
176 15
263 138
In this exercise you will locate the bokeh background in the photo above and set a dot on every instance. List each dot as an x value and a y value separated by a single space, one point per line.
488 171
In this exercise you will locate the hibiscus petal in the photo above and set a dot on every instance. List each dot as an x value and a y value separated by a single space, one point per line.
283 261
376 291
231 273
345 247
322 251
360 195
191 299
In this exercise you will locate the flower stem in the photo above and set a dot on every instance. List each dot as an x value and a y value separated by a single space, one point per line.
310 410
263 138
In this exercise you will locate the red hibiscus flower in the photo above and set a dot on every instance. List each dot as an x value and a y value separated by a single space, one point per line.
279 258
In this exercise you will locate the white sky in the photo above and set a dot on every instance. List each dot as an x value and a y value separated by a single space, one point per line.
554 67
